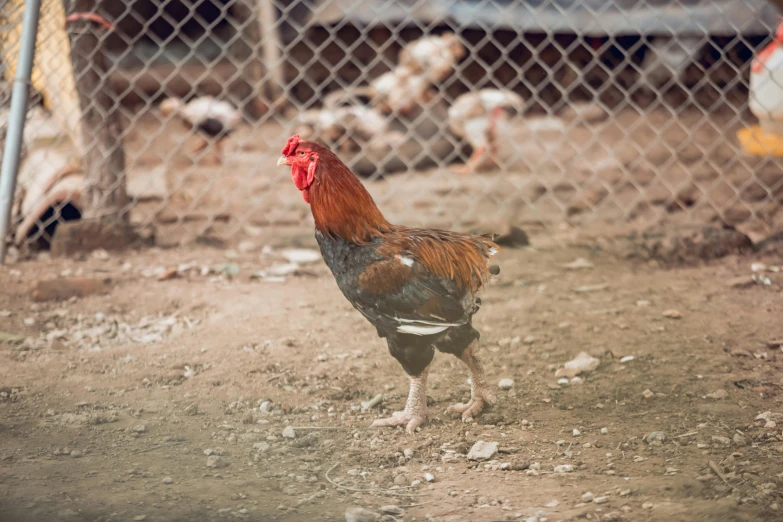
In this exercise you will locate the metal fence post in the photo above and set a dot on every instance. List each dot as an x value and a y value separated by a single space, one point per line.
13 140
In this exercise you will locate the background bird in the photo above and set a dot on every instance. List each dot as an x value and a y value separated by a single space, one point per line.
481 118
212 119
417 287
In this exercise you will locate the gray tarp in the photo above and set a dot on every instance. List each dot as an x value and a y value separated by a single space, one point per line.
587 17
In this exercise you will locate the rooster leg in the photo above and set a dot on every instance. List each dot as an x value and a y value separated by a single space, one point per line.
480 395
415 412
474 162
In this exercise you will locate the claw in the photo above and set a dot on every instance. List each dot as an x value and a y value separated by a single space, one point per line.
398 418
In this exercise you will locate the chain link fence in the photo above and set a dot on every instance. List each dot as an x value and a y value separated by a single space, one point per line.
458 113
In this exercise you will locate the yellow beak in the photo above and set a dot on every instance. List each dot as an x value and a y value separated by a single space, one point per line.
282 160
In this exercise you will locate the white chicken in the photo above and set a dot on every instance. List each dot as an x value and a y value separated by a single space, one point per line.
433 56
479 118
214 120
401 90
347 128
424 63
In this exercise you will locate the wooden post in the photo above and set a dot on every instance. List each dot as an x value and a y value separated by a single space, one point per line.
105 219
272 48
245 52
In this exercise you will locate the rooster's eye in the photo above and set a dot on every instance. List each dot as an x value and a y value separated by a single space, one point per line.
301 153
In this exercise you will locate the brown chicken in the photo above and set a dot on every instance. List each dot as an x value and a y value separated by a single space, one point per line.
417 287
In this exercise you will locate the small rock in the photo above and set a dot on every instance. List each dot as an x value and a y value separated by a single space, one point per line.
577 380
215 461
647 505
604 431
139 428
582 363
655 436
391 509
483 450
721 440
265 407
601 500
627 358
718 395
647 394
76 454
739 440
401 480
167 275
506 384
564 468
672 314
140 517
429 477
563 381
415 483
576 432
301 256
192 409
289 432
357 514
407 453
552 504
587 497
168 480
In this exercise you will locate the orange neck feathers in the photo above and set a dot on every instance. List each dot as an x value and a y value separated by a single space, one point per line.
341 205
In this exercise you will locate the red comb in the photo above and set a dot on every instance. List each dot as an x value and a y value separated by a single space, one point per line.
290 145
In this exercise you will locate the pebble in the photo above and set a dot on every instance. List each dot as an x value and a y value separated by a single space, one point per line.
647 505
563 380
76 454
168 480
564 468
391 509
576 432
718 395
647 394
483 450
429 477
140 517
415 483
552 504
215 461
140 428
506 384
627 358
357 514
577 380
672 314
601 500
400 480
192 409
722 440
588 497
407 453
289 432
265 407
604 431
655 435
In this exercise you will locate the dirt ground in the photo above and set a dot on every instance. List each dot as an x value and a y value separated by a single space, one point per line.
168 400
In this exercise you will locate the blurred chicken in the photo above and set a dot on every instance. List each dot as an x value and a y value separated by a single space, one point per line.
213 120
479 118
348 128
424 63
401 90
433 56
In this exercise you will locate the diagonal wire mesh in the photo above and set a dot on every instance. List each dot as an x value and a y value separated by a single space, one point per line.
457 113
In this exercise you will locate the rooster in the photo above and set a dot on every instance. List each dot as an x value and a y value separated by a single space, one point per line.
212 118
479 118
417 287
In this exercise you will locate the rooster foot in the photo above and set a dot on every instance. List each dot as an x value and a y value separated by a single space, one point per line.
469 410
398 418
